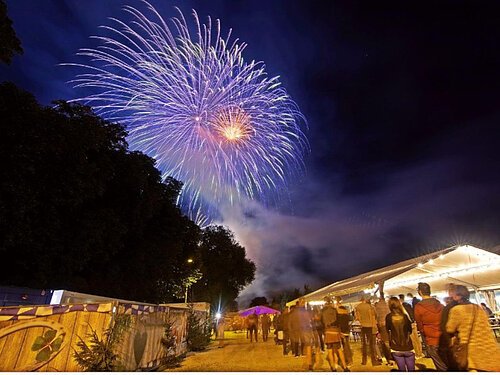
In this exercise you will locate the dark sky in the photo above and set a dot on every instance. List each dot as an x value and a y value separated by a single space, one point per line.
402 101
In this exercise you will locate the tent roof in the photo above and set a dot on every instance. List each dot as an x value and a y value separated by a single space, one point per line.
466 265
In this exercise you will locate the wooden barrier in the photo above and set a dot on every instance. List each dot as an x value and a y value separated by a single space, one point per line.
44 338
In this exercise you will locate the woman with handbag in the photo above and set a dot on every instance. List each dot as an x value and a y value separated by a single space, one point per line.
474 345
333 337
398 326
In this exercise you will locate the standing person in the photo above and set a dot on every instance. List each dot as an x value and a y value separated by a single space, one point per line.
487 310
399 329
414 300
285 321
294 330
470 323
343 319
300 321
444 346
221 326
408 308
253 324
428 317
329 316
318 328
366 316
415 340
266 326
381 310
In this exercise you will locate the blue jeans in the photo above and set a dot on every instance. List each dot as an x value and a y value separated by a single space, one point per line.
404 360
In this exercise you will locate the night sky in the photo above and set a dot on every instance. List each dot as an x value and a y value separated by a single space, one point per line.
402 101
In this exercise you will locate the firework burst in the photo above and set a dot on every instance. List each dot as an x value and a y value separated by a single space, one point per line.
190 101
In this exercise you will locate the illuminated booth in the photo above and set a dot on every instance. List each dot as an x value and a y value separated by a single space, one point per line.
467 265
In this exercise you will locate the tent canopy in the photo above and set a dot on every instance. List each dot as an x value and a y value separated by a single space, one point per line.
259 310
467 265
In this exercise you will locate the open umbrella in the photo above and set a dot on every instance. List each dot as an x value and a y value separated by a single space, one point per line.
259 310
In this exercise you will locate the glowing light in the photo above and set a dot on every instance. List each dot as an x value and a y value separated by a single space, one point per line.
189 100
459 271
190 260
420 265
218 315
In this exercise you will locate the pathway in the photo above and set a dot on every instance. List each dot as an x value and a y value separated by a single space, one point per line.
238 354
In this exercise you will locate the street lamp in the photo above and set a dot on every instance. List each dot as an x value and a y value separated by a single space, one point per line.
190 261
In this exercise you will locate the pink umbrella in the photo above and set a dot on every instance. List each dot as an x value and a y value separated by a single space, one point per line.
259 310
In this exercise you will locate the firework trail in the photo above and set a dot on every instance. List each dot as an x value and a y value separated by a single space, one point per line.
190 101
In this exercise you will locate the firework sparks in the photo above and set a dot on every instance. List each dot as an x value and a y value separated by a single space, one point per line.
210 119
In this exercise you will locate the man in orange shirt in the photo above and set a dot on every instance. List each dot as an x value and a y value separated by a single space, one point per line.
428 317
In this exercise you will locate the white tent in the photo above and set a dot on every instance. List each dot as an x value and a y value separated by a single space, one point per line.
475 268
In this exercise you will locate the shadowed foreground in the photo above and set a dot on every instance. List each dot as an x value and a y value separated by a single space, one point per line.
238 354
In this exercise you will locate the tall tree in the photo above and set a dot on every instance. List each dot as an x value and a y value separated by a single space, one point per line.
225 268
9 43
78 211
258 301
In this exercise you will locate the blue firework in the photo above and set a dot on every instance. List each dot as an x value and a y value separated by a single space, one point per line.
190 101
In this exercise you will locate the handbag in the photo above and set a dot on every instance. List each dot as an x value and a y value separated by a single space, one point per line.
332 335
460 349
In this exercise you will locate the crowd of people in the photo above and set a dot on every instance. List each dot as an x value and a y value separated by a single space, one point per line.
456 337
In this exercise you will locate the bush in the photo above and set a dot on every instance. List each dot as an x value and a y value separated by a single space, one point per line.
198 331
100 354
171 359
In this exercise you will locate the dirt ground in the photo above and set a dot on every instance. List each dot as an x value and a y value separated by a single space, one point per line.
239 354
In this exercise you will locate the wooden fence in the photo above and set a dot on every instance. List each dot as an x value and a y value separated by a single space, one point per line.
44 338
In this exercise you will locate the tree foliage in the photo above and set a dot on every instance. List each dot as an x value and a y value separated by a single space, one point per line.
9 43
258 301
100 354
198 331
169 342
79 211
225 268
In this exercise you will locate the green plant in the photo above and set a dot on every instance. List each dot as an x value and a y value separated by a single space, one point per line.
171 359
198 331
100 354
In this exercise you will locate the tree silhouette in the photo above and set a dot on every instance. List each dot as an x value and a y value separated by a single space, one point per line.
225 268
9 43
79 211
258 301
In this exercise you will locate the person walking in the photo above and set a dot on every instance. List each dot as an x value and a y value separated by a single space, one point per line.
381 311
285 322
318 329
415 340
343 320
334 352
253 324
399 329
428 317
470 324
294 330
365 314
300 322
221 326
266 326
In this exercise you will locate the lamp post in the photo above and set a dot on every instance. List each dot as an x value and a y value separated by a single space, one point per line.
189 261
